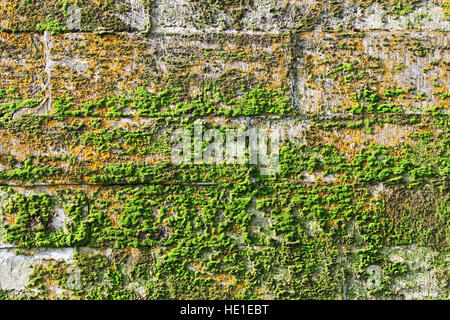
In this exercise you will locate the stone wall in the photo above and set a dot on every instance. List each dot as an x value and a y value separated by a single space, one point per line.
93 207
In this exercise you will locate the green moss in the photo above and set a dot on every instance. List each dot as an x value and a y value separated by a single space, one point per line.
167 103
50 25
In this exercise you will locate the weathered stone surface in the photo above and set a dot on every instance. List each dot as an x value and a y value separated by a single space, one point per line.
93 206
405 69
255 15
15 269
66 16
155 219
103 151
426 280
23 78
88 67
279 15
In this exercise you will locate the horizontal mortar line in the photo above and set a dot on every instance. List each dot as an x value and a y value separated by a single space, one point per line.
12 247
298 116
274 116
7 246
125 184
188 31
279 31
158 183
108 184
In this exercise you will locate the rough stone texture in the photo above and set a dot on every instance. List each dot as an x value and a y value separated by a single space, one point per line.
99 16
94 66
16 269
333 67
22 66
92 207
280 15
